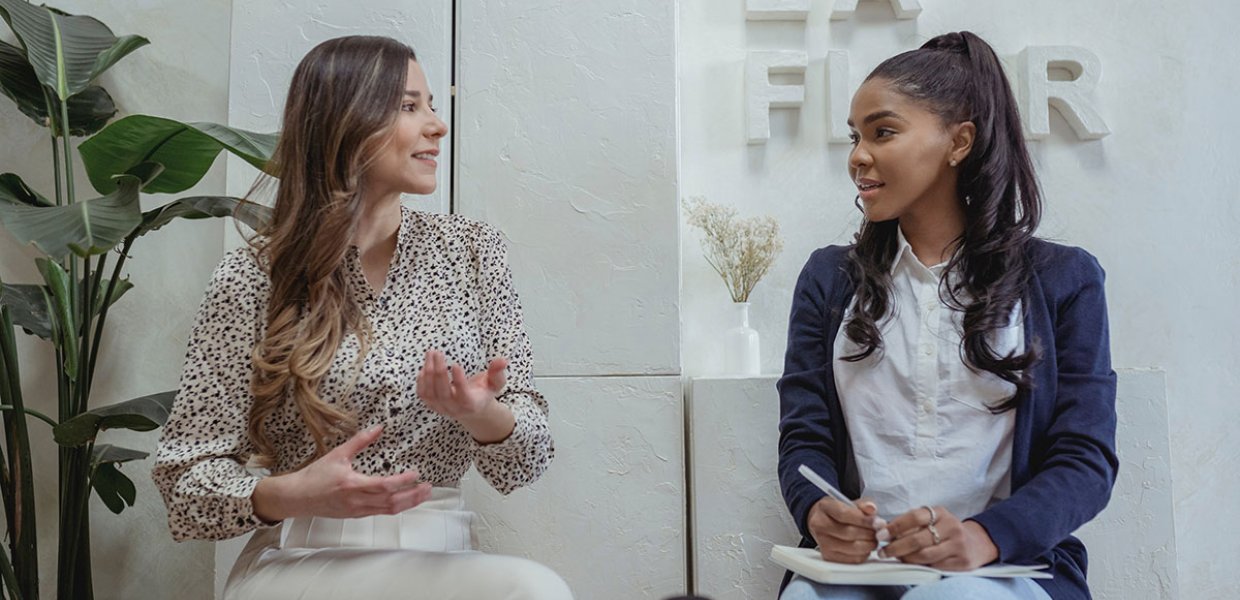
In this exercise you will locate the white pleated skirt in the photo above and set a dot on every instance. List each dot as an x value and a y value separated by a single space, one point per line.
427 552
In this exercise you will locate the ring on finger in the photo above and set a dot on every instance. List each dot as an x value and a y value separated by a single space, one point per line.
934 534
934 517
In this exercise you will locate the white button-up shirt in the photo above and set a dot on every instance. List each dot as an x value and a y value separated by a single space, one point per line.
918 418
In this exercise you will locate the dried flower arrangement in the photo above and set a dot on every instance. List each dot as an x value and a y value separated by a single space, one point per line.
740 250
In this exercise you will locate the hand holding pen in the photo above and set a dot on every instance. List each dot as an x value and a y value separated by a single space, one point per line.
846 531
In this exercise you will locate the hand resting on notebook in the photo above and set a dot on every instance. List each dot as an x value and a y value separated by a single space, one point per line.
962 545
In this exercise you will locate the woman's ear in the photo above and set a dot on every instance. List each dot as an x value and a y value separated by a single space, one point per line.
963 134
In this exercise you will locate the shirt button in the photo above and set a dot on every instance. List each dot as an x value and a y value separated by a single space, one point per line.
927 350
389 352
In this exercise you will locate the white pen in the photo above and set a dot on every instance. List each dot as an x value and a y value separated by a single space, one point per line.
822 484
879 523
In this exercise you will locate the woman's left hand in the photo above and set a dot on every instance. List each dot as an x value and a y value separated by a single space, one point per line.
471 401
961 546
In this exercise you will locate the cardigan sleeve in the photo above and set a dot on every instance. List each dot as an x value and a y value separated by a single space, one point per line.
524 455
1073 462
805 433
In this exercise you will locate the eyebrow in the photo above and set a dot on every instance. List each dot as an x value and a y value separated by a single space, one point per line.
416 94
874 116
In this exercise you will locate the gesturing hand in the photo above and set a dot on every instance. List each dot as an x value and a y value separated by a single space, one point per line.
457 396
844 533
329 487
959 546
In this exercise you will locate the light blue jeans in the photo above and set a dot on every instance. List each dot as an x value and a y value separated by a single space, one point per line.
948 588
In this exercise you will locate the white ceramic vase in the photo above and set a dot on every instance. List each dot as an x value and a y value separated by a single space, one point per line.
740 345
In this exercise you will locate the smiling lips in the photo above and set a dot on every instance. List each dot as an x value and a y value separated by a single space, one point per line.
867 187
428 157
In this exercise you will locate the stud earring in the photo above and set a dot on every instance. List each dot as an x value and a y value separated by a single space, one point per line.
953 162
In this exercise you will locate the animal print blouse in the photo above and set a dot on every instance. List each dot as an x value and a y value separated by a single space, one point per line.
449 288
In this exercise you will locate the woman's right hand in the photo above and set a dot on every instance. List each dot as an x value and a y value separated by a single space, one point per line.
845 534
329 487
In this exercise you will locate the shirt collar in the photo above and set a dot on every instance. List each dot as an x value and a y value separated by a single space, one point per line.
904 252
902 248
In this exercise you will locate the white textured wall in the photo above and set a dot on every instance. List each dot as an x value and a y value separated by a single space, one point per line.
567 139
566 131
609 514
1132 543
737 511
183 74
1156 200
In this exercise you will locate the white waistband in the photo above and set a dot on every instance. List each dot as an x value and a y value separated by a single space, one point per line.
440 524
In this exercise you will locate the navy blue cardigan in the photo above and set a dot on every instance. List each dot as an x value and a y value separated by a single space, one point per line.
1063 447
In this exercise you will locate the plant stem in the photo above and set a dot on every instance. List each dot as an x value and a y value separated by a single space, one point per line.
10 578
103 312
19 497
91 280
64 136
29 411
47 100
74 573
75 300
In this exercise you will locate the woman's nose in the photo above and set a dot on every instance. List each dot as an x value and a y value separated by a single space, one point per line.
859 158
438 128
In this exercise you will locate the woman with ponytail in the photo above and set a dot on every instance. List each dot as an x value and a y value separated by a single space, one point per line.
348 367
948 369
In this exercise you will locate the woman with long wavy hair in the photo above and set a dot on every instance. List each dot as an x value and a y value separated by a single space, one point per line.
348 367
948 368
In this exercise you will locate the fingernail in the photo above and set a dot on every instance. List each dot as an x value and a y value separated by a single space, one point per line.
882 553
883 536
878 523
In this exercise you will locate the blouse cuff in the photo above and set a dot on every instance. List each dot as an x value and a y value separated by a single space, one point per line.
513 446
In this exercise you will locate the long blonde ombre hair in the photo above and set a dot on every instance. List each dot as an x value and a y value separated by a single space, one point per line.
342 104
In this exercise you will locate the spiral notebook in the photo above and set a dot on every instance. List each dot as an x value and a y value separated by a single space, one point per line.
808 563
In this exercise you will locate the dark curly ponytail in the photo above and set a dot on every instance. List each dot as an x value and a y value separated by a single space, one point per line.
958 77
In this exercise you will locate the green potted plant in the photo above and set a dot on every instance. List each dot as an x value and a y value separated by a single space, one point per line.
50 76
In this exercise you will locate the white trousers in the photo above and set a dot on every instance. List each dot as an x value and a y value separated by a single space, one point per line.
426 553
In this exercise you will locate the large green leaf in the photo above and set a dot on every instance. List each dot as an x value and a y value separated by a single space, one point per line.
15 191
113 487
18 81
186 151
84 228
28 309
66 51
140 414
89 109
60 307
204 207
122 286
109 453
